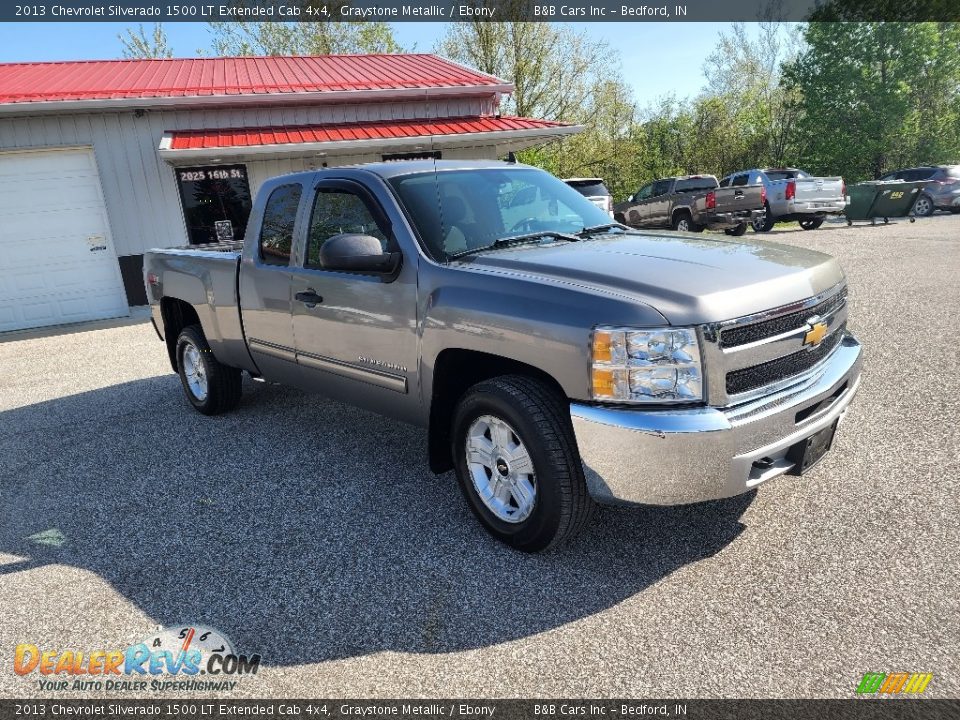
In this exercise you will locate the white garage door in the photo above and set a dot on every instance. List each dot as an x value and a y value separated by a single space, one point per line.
57 262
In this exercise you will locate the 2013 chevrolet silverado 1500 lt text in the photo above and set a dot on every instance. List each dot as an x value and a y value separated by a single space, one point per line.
555 358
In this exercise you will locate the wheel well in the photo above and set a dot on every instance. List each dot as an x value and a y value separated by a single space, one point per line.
176 315
681 211
454 372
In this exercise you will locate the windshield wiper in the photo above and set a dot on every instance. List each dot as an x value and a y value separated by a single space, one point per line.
588 231
516 240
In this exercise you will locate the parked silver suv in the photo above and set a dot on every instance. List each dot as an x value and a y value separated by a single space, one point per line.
942 192
594 190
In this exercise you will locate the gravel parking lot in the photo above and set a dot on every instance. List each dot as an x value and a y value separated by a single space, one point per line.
314 534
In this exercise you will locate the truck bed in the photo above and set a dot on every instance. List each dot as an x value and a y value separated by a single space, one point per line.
206 277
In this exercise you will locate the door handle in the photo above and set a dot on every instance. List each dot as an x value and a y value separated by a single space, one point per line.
309 298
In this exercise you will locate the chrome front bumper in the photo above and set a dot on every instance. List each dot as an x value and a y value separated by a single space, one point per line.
669 457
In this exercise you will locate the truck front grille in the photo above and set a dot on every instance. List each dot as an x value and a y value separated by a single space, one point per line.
751 378
737 336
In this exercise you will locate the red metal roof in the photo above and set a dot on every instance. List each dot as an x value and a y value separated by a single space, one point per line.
235 76
379 130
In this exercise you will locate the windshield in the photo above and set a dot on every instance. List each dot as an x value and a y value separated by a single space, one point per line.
459 210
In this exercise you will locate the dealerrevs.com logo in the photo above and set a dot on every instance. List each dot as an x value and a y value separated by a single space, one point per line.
187 657
899 683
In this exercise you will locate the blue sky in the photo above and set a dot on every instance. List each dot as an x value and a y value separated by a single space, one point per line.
657 58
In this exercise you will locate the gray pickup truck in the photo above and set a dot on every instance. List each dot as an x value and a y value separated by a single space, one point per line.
692 203
792 194
554 357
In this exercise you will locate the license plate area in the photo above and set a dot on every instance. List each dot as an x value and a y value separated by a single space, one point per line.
807 453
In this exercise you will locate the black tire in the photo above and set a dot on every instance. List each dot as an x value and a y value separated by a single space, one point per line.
540 420
768 222
737 231
923 206
811 224
955 211
223 383
683 222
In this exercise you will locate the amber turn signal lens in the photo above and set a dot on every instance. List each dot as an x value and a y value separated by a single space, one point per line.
604 384
602 347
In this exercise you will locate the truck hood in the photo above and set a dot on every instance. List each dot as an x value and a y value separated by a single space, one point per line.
688 279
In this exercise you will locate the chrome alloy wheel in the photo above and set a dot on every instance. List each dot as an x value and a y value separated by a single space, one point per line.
683 225
194 371
501 469
923 207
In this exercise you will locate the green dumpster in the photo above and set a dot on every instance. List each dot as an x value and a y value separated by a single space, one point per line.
875 199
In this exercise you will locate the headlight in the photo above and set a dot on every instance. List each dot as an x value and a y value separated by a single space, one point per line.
656 366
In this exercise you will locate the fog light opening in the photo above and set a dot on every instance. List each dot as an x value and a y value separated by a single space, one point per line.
764 463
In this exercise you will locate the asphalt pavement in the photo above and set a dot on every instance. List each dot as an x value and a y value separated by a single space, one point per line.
314 534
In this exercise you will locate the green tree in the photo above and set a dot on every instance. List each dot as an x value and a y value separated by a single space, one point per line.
559 73
137 44
877 96
744 71
554 68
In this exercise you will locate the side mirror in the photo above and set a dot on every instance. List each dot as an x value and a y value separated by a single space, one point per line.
353 252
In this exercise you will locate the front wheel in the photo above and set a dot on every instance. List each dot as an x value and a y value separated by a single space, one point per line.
517 463
212 388
811 224
737 231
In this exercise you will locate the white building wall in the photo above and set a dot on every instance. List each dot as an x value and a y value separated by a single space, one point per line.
140 189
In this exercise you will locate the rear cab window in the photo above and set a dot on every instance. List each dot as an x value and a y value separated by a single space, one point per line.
695 184
279 217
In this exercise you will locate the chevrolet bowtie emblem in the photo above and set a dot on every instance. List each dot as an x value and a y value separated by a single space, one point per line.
816 333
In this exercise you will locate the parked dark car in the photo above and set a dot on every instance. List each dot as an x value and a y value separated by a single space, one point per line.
691 203
942 192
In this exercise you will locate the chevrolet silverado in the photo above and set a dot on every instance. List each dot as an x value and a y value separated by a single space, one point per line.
555 358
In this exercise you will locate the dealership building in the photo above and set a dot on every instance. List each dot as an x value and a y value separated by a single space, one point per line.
102 160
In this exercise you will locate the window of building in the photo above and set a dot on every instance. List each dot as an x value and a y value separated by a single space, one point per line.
216 202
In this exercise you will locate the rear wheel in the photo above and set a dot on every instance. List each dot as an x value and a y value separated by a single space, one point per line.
212 388
517 463
737 231
923 207
682 222
764 224
811 224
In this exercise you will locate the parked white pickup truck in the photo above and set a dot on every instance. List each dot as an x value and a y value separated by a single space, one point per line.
792 195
